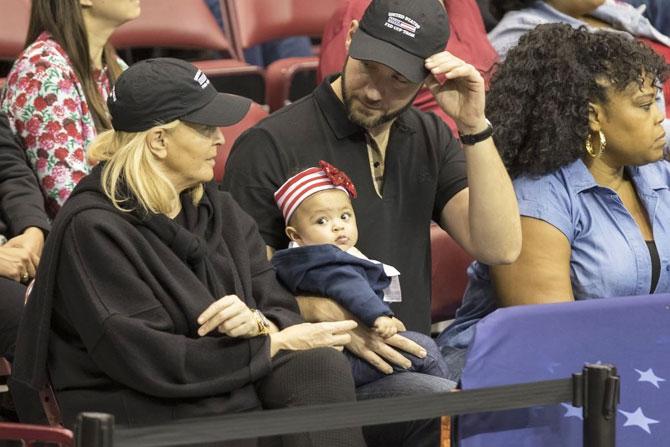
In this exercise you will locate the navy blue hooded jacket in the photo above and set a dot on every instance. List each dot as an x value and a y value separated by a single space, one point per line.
355 283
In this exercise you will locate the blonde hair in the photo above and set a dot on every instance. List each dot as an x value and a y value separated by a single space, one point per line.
131 172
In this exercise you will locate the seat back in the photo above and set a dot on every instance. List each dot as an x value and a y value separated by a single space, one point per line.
5 367
50 406
13 30
172 24
230 133
448 278
189 24
30 434
251 23
286 79
5 372
13 27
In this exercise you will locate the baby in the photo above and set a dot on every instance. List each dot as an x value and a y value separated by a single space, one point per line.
322 259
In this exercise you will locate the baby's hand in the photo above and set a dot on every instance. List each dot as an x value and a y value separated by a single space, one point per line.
399 325
385 327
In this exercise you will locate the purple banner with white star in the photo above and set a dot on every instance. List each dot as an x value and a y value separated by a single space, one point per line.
552 341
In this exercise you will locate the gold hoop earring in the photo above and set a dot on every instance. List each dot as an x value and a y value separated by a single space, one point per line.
589 146
603 142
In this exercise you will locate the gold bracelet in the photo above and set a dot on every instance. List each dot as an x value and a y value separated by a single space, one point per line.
262 322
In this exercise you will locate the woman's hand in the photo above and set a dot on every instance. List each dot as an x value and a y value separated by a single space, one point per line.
231 316
312 335
17 263
32 239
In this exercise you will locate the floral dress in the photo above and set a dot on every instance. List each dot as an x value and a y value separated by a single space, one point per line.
46 107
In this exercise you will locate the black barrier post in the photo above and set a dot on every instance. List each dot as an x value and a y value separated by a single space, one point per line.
94 430
596 390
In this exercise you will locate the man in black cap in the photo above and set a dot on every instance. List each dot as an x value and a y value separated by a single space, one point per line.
407 166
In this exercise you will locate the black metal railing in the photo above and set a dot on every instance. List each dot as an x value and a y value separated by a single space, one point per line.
595 389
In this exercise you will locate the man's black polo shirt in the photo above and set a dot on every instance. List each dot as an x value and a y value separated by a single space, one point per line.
424 168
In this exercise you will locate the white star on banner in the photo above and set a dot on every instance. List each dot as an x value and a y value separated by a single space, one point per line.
638 419
649 376
571 411
551 367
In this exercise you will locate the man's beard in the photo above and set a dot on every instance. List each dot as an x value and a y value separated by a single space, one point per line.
365 122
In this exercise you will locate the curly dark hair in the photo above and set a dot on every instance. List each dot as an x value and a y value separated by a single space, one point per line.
538 102
498 8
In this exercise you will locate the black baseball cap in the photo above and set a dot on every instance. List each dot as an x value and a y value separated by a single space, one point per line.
155 91
401 34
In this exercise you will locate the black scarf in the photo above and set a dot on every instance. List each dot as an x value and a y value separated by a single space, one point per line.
190 236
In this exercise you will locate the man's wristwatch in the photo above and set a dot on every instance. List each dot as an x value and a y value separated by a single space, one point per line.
262 322
472 139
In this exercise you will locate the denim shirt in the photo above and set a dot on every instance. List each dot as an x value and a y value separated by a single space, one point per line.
656 11
621 16
609 256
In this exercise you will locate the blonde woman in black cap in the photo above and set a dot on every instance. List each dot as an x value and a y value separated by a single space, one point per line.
154 299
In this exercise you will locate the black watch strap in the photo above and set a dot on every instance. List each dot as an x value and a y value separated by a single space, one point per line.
472 139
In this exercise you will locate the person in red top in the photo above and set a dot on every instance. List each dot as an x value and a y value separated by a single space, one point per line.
467 41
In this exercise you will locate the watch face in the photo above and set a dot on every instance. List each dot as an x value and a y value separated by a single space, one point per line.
263 323
263 319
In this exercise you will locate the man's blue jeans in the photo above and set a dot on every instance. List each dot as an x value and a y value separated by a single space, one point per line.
433 364
423 433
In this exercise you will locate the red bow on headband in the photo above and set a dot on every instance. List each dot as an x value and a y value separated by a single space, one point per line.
338 178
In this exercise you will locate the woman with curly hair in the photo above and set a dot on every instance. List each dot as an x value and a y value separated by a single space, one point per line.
56 91
578 129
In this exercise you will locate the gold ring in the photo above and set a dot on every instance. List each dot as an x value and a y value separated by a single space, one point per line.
25 277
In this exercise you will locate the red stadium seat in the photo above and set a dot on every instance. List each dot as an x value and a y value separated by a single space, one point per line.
230 133
13 29
36 434
449 279
47 395
5 367
5 372
189 24
252 24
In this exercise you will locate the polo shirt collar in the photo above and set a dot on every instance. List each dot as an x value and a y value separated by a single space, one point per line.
335 112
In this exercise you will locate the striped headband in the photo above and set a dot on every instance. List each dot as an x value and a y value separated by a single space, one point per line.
302 185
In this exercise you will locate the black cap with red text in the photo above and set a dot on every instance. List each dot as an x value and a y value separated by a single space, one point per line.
401 34
157 91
